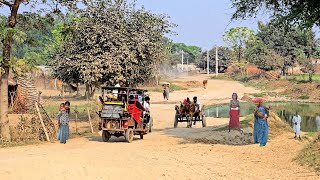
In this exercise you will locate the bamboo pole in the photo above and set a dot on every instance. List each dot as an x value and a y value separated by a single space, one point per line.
76 111
90 120
42 123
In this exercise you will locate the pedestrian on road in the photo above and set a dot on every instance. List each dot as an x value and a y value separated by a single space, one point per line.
234 112
260 130
296 125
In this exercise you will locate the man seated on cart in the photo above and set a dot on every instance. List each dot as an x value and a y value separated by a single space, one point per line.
197 103
135 108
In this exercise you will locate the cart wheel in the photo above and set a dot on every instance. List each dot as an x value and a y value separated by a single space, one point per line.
150 124
141 135
106 136
176 121
129 135
204 121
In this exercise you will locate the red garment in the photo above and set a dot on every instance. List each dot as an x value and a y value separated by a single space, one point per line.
136 113
234 119
258 100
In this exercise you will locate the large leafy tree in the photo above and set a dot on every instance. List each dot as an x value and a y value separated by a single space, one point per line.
112 41
284 41
237 38
191 52
302 12
7 40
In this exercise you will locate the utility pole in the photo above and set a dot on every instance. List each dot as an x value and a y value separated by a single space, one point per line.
208 62
182 59
217 61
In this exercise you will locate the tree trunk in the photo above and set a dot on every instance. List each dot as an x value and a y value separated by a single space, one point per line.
239 54
7 43
5 133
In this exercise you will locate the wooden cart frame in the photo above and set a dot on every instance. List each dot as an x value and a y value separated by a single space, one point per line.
198 116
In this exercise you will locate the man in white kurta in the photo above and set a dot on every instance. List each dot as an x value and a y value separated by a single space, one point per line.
296 125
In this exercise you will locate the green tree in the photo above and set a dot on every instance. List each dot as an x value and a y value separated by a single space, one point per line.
7 39
224 56
191 52
113 41
237 38
258 53
284 41
305 13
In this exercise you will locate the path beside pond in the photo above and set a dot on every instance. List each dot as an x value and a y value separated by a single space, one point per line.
163 154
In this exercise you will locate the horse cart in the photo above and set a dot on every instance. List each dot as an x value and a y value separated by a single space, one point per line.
190 113
121 113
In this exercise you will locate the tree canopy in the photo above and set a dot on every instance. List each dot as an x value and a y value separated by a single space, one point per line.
238 38
113 41
303 12
277 46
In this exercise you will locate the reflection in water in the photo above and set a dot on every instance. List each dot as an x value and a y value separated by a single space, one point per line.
309 112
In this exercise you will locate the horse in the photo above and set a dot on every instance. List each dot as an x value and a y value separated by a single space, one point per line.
205 82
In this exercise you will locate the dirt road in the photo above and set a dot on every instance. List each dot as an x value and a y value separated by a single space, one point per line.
163 154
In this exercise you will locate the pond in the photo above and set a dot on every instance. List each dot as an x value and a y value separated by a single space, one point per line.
309 112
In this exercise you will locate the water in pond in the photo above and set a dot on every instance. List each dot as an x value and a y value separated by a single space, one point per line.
309 112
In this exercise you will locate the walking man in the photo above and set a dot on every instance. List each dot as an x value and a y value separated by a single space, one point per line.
296 125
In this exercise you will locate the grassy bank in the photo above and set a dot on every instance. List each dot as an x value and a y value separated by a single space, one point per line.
292 87
310 154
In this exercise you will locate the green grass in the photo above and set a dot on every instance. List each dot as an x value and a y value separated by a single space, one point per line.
304 96
310 155
311 134
302 77
259 94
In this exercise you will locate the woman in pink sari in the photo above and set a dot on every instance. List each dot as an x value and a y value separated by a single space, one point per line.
234 113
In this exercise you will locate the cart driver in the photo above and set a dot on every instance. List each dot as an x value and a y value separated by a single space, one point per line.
195 101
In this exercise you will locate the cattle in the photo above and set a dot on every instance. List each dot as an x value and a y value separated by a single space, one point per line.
205 83
65 87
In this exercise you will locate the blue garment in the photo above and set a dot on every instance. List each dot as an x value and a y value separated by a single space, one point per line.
63 133
63 130
255 129
262 131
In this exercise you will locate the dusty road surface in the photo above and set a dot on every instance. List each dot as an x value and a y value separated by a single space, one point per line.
163 154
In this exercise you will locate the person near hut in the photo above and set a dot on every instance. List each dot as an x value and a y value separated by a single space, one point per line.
234 112
296 125
63 131
260 131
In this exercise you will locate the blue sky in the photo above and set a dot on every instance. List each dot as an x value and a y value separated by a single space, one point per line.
200 22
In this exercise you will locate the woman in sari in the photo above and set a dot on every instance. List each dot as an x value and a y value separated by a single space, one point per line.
234 112
260 130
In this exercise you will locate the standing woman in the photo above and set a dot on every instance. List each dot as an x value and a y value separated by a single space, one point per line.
234 112
260 131
167 90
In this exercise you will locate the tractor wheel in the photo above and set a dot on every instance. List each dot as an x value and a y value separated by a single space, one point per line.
129 135
176 121
204 121
106 136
